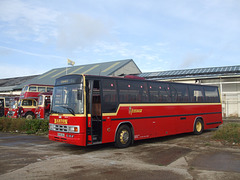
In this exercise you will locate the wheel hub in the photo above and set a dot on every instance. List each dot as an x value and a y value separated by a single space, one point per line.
199 126
124 136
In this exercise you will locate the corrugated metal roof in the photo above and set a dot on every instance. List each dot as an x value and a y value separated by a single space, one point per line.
190 73
103 69
9 83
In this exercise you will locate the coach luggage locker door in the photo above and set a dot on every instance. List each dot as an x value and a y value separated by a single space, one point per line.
94 114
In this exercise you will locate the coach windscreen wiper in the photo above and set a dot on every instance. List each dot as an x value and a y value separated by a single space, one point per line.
69 109
52 111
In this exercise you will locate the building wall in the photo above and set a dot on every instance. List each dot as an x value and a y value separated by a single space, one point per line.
10 93
230 93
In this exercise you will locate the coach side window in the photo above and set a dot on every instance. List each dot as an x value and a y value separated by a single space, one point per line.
41 89
211 94
33 88
159 92
132 91
196 93
154 92
143 90
128 91
49 89
179 93
25 89
110 96
27 103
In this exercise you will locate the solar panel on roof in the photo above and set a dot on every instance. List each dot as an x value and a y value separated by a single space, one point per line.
212 71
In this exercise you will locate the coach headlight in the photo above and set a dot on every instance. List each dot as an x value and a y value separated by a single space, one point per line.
73 129
51 127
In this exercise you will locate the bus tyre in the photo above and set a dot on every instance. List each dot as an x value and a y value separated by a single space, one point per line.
123 137
198 127
29 116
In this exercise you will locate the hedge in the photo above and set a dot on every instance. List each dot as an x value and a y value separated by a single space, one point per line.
21 125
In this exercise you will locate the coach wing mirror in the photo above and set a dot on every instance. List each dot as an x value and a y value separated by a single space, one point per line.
79 94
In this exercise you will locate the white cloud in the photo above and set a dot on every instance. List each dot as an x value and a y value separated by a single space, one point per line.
79 30
30 21
6 50
25 21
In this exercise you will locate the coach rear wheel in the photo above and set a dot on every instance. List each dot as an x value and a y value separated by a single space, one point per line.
123 137
198 127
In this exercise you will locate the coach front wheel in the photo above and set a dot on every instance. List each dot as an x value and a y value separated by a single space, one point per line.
123 137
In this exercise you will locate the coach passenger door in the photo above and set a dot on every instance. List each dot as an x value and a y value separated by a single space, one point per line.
94 112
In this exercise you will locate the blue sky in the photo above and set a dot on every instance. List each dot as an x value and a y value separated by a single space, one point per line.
37 36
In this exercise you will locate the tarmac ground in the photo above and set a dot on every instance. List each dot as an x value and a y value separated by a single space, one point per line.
184 156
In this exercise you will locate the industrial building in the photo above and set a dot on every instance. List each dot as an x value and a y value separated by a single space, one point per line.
13 86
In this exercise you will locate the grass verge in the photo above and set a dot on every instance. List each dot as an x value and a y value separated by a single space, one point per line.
20 125
229 132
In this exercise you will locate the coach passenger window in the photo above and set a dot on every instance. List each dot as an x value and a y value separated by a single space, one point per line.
179 93
49 89
110 96
27 103
41 89
25 89
165 93
159 92
33 88
143 90
154 92
211 94
7 102
132 91
196 93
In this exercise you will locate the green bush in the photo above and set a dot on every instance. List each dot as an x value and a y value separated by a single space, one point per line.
229 132
21 125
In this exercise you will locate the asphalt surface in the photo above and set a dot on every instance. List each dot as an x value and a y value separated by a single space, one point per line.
184 156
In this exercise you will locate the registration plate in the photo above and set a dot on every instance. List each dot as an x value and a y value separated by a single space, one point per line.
61 134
